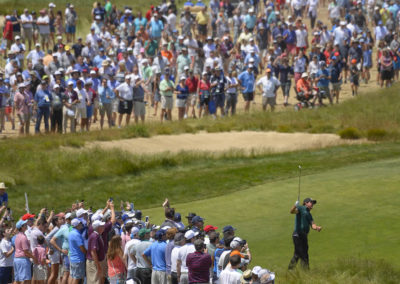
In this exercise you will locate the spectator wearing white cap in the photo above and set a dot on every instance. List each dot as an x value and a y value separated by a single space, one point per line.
129 255
71 19
35 55
19 50
188 247
77 252
125 95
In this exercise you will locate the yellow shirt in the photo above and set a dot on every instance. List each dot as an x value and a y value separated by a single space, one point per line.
202 18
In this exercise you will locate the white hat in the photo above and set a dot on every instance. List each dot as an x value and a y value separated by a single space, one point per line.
70 83
127 11
59 37
256 270
52 5
234 244
182 78
17 37
97 224
145 61
134 230
250 66
130 49
190 234
89 82
21 85
186 68
56 86
93 72
251 59
68 215
128 77
343 23
225 38
305 74
97 216
98 17
37 44
251 10
180 37
75 222
71 6
57 73
81 211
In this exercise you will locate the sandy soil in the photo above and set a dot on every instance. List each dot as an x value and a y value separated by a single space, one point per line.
220 142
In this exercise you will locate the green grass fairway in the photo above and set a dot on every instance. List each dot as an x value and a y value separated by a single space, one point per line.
357 208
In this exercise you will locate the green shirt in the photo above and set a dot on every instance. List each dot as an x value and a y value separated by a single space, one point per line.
303 220
183 61
147 73
164 85
153 46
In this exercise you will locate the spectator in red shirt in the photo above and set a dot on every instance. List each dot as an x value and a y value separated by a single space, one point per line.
149 13
8 34
192 82
199 263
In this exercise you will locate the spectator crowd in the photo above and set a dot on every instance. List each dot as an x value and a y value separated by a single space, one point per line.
199 59
117 247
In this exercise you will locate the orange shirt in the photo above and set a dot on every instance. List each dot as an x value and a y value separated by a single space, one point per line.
302 85
167 54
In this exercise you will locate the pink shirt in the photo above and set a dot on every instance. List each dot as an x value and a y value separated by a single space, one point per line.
21 103
125 238
115 266
40 254
21 244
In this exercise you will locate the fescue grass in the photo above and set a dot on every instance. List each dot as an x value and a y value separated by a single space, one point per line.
350 133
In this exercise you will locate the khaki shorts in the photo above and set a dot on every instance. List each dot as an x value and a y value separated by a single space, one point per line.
80 113
91 271
139 108
192 99
106 108
167 102
336 86
23 117
27 33
269 101
45 37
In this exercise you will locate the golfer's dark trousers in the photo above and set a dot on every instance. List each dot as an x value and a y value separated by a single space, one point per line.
300 251
56 120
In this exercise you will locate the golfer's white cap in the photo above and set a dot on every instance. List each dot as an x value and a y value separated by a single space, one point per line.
81 212
56 86
304 75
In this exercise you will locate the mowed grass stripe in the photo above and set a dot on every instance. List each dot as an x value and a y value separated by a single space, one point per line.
357 207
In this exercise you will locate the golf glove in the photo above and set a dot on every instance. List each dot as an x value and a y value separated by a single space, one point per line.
297 203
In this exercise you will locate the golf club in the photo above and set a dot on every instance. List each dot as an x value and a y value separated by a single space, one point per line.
298 196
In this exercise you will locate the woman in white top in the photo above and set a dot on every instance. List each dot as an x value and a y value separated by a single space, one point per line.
6 256
233 84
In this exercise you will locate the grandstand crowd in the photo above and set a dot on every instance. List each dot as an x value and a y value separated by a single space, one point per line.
199 59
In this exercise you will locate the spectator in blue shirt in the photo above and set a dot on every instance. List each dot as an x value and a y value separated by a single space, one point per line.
247 81
77 252
3 195
139 22
156 26
43 100
323 79
157 254
106 98
250 20
336 77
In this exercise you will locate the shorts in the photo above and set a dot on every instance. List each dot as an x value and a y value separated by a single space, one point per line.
125 107
23 118
89 111
55 258
80 113
27 33
115 105
66 263
77 270
336 86
181 103
45 37
192 99
268 101
106 108
286 88
9 109
204 98
202 29
91 271
139 108
166 102
70 29
39 272
22 269
386 75
6 274
157 97
219 100
354 80
248 96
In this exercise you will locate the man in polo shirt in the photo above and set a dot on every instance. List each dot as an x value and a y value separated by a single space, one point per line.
167 89
143 269
230 275
77 252
247 80
157 253
132 263
303 222
199 263
182 269
96 265
125 95
269 84
3 195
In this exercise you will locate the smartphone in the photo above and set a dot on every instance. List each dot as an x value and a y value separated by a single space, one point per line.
147 219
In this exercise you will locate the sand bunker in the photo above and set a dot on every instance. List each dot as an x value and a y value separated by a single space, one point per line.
220 142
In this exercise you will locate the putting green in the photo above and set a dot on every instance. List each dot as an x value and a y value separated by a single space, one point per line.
357 208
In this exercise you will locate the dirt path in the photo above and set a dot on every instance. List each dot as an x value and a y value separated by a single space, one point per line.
220 142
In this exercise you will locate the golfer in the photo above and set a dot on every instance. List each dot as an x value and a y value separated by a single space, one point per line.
303 222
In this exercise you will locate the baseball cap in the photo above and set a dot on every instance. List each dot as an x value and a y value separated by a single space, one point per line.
191 215
81 211
135 230
75 222
196 219
20 223
97 224
178 238
143 231
27 216
70 83
56 86
268 70
246 276
228 228
190 234
209 228
160 233
256 270
305 74
68 215
309 199
17 37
